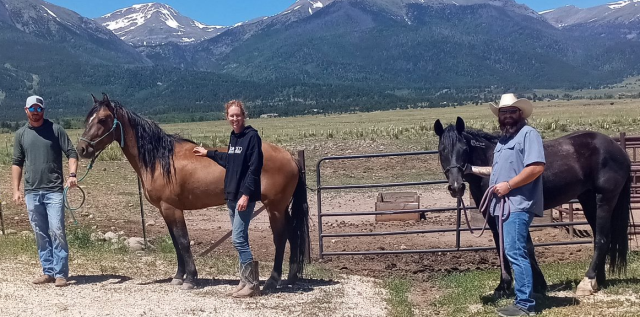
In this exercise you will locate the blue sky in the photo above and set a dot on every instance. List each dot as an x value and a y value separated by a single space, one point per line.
229 12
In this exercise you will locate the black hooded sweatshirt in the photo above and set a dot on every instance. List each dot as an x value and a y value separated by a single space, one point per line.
243 162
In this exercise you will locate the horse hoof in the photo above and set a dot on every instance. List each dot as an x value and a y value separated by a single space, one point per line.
500 294
587 287
292 279
187 286
270 285
176 281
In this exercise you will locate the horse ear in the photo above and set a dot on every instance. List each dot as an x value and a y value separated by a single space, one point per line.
438 128
107 102
95 100
459 125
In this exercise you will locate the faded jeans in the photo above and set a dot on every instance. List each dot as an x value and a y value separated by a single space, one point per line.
515 231
46 214
240 230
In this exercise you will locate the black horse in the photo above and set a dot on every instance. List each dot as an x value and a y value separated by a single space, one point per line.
588 165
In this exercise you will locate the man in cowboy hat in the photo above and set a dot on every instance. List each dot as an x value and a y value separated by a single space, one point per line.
518 162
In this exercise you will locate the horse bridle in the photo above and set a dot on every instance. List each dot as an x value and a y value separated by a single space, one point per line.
115 122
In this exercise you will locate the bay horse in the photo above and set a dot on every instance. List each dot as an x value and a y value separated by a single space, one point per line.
586 165
174 180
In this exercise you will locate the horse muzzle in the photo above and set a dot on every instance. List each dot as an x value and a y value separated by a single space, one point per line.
85 151
456 189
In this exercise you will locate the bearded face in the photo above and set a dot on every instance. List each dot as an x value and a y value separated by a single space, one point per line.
510 120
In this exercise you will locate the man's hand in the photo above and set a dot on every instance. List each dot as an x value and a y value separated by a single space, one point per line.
242 203
502 189
72 182
18 197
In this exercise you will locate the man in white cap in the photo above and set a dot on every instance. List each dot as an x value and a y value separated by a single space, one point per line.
518 163
38 149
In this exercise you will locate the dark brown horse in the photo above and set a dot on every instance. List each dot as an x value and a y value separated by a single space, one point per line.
587 165
174 180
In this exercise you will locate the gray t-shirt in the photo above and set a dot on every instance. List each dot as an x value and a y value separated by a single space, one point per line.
39 151
510 157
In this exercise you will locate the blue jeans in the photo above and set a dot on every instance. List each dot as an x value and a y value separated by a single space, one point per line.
240 230
515 232
46 214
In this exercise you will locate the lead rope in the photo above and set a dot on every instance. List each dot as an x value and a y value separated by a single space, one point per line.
505 211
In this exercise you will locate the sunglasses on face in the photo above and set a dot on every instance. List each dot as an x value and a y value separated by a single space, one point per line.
35 109
509 111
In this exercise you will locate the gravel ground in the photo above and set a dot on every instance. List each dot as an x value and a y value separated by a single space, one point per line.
115 295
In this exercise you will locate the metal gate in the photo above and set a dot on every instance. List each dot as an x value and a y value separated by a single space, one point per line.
458 229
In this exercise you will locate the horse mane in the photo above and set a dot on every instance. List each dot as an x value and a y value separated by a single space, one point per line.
154 145
479 134
450 135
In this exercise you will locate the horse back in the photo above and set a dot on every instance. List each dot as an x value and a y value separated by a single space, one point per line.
581 161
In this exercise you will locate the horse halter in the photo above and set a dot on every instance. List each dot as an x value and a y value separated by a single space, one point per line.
461 167
115 122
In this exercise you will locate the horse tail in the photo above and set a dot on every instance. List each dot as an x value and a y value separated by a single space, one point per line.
619 246
299 226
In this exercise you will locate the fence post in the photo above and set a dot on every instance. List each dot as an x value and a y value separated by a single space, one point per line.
571 228
144 227
303 170
2 218
458 224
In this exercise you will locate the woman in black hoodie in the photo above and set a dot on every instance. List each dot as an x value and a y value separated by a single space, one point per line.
243 164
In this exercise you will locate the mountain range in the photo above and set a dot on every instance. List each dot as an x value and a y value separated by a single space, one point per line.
406 43
333 55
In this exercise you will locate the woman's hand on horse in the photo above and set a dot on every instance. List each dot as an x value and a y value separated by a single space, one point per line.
200 151
502 189
242 203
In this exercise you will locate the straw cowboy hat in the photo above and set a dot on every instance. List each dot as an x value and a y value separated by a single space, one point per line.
510 100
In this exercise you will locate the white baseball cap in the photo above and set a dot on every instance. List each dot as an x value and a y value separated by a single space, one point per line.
34 100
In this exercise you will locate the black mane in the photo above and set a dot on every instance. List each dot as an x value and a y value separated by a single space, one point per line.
479 134
450 136
154 145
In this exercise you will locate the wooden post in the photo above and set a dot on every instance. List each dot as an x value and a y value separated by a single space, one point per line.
303 170
571 230
623 144
144 227
2 218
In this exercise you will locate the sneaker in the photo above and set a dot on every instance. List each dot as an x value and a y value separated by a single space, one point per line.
513 310
44 279
61 282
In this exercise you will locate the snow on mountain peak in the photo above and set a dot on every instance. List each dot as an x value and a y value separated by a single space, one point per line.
156 23
138 14
620 4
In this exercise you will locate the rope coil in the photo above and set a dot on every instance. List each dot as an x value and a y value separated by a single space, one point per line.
505 211
65 193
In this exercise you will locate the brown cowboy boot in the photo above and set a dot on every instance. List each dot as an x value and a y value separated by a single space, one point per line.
251 276
61 282
44 279
240 285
